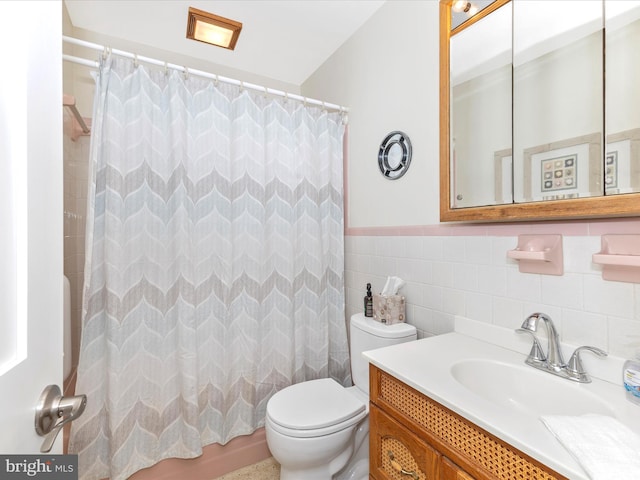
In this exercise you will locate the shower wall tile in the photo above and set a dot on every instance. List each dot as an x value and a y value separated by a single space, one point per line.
76 170
472 276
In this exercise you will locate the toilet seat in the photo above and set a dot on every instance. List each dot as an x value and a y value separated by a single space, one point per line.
314 408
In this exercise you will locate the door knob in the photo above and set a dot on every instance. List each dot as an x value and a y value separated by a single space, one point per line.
54 411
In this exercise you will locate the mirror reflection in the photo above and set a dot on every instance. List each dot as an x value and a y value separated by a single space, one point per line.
481 112
557 100
531 116
622 94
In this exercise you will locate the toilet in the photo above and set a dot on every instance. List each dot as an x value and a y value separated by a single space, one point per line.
319 430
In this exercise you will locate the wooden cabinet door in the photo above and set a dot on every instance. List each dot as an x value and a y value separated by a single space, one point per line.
450 471
396 453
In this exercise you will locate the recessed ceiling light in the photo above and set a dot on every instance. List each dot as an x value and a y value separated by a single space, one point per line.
213 29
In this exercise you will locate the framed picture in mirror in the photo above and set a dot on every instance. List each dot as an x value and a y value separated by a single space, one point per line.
564 169
622 162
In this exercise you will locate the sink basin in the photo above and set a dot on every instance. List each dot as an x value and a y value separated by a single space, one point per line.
526 389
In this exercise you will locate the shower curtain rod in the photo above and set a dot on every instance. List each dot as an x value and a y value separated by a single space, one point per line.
189 71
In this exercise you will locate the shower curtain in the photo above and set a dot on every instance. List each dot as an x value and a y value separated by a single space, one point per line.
214 271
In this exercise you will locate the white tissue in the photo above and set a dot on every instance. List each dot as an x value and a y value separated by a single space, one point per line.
392 286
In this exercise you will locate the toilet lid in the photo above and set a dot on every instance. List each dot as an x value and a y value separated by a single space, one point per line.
313 404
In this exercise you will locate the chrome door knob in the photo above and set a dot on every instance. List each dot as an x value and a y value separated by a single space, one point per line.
54 411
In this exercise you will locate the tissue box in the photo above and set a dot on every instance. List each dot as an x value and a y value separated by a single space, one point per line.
388 309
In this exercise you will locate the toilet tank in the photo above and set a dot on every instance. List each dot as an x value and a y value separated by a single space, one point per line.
368 334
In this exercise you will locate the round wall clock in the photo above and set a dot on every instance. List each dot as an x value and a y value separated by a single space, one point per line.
394 156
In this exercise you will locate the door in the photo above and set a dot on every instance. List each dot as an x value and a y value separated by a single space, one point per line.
31 235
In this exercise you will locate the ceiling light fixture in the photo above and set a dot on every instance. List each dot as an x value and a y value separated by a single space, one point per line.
464 6
213 29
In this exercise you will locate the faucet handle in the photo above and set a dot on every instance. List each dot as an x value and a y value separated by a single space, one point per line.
575 370
536 355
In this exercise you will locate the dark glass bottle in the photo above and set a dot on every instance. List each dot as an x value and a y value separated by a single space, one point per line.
368 302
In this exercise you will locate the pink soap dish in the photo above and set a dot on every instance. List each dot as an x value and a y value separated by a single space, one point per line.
539 254
619 257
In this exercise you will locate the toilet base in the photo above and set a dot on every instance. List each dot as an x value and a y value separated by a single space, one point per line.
307 474
358 466
348 461
356 471
319 471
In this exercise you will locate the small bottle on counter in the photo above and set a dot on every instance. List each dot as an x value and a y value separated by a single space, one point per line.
368 304
631 378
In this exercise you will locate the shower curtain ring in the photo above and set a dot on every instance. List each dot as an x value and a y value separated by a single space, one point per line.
166 69
186 73
216 82
135 60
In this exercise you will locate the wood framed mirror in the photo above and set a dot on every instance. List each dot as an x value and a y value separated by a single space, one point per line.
544 171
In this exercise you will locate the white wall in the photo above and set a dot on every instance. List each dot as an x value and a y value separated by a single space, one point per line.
387 74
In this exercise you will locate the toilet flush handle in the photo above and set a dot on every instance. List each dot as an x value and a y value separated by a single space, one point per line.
398 468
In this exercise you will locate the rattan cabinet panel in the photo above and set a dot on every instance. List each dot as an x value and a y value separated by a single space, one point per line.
396 453
450 471
478 453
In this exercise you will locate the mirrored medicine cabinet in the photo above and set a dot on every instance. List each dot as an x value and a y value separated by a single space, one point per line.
531 126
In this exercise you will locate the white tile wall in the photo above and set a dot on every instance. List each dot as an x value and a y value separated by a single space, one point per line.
472 276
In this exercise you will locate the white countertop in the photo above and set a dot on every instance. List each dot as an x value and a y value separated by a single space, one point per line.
426 366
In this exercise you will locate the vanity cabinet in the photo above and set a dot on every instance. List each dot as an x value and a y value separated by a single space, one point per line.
412 436
450 471
398 450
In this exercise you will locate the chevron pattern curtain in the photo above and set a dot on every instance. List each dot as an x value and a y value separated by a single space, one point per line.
214 272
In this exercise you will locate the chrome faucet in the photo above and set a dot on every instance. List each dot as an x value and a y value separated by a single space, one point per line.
553 362
554 358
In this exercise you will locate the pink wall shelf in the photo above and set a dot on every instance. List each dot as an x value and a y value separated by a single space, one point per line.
620 258
539 254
